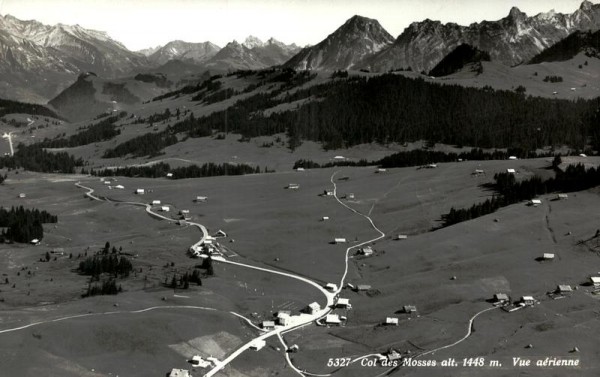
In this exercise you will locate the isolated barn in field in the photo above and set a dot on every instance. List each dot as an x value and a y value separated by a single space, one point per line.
512 157
391 321
140 191
299 169
362 287
169 175
165 209
120 187
595 280
535 202
339 240
350 196
324 218
201 199
511 171
562 196
156 202
431 166
401 237
313 308
22 195
328 192
479 172
293 186
409 309
548 256
380 170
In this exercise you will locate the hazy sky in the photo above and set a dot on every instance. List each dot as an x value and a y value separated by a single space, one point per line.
144 23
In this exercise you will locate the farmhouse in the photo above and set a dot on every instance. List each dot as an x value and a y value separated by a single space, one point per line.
258 344
201 198
389 321
548 257
409 309
140 191
401 237
595 281
511 171
343 303
165 208
268 325
156 202
366 251
535 202
527 301
331 287
284 317
333 319
293 186
313 308
563 289
179 373
339 240
501 297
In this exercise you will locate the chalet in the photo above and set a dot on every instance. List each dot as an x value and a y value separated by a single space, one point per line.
22 195
343 303
165 209
362 287
595 281
562 197
331 287
258 344
511 171
366 251
339 240
391 321
293 186
328 192
313 308
179 373
198 361
527 301
156 202
548 256
140 191
501 297
268 325
563 289
333 319
512 157
535 202
401 237
201 199
325 218
409 309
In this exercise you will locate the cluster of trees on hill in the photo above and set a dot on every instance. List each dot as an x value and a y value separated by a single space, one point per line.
107 287
553 79
104 130
145 145
35 158
308 164
14 107
393 108
183 281
23 225
107 261
510 191
192 171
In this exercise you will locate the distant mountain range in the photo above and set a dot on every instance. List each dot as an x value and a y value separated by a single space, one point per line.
37 61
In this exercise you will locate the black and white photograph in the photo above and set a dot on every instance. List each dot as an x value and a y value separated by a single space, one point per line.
299 188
